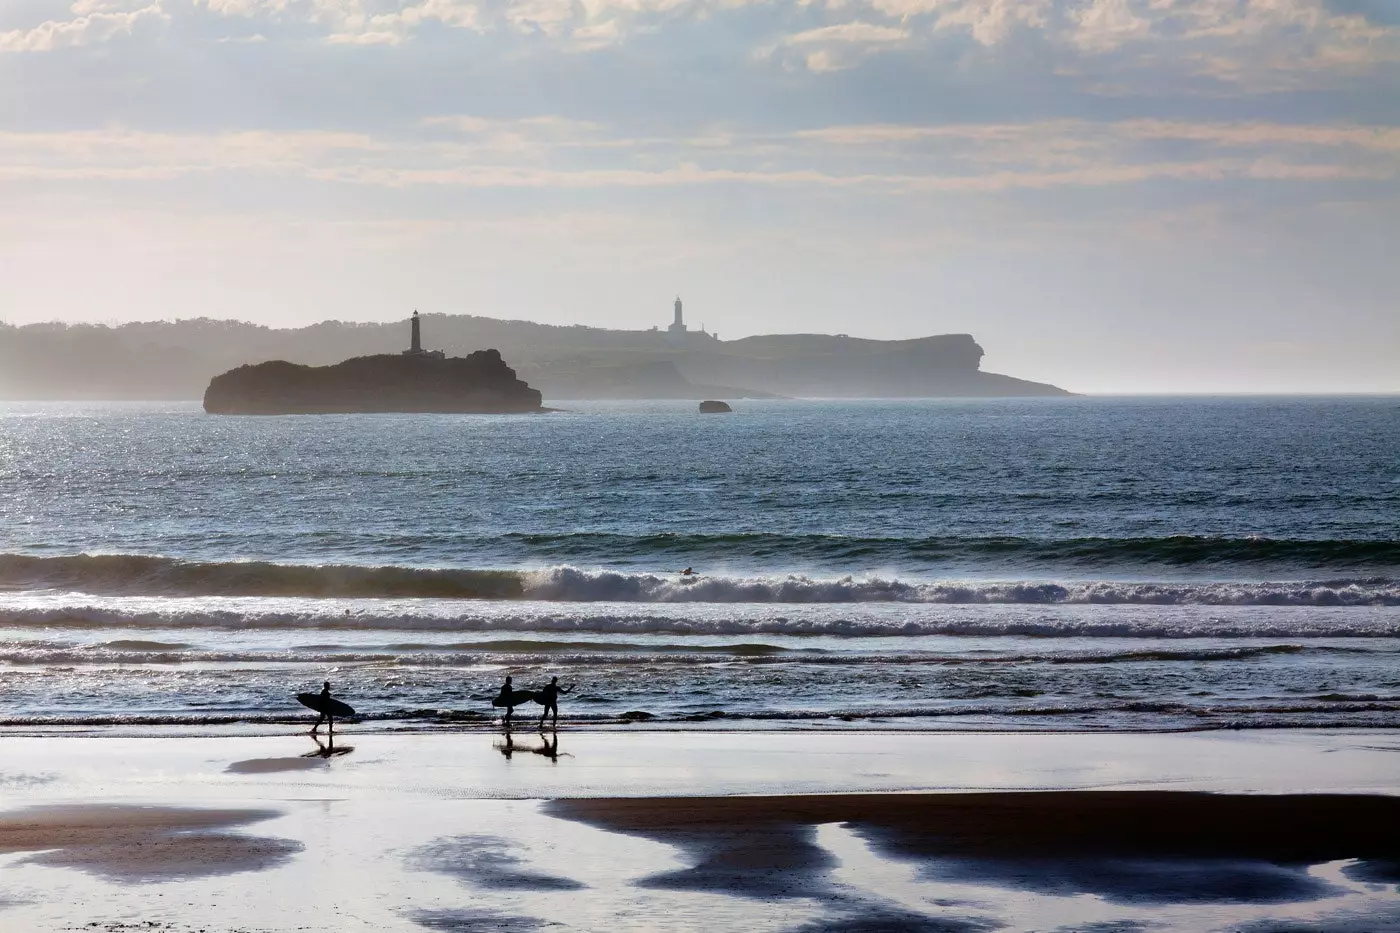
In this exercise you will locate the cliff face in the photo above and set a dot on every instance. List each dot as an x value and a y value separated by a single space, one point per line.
817 365
475 384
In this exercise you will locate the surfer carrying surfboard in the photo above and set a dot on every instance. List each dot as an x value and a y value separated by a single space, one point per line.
325 714
326 706
510 698
549 696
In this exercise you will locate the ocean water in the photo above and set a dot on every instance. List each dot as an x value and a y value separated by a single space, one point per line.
1052 564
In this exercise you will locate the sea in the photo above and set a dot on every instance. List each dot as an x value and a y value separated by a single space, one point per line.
1076 564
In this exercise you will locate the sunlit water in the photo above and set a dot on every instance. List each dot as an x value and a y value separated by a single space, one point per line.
1052 564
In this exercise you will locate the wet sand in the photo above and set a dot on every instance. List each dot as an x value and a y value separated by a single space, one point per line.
142 843
1294 828
1119 845
1255 833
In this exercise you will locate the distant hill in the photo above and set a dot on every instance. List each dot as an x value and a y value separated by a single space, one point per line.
176 360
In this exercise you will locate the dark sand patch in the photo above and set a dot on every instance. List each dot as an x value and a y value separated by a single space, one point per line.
1376 871
875 918
782 861
126 843
471 920
485 861
1128 846
1299 829
1129 881
273 765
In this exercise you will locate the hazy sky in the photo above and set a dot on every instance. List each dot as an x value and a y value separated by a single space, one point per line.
1110 195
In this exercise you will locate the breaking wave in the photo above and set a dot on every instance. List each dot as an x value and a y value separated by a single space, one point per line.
744 624
137 575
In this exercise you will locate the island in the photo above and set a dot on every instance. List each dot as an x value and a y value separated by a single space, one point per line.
415 380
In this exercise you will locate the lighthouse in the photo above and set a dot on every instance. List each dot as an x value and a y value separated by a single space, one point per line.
415 341
678 326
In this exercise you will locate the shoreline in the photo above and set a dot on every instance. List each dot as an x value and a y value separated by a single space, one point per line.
530 764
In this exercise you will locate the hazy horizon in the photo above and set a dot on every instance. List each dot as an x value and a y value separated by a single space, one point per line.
992 356
1114 196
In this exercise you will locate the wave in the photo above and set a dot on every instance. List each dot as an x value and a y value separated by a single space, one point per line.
1166 625
595 655
1087 553
126 574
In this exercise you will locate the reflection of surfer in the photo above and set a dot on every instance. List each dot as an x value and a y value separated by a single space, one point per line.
550 749
549 696
325 714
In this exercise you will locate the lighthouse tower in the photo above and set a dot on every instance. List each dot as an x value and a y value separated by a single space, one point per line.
678 326
415 341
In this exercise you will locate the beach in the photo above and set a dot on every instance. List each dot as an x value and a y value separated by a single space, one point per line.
701 831
968 665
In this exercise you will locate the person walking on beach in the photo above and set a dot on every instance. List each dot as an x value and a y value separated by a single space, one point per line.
510 699
325 715
549 696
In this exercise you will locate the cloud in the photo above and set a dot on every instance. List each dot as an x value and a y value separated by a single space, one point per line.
557 153
95 22
839 46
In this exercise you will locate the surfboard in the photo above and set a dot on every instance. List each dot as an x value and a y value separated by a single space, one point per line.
331 707
517 698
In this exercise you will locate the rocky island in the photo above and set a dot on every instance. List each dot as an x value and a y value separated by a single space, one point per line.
416 380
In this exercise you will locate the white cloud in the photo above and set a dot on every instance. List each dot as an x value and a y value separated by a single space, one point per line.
544 153
840 46
857 33
1107 24
991 21
95 22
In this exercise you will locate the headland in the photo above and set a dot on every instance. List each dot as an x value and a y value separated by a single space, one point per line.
174 360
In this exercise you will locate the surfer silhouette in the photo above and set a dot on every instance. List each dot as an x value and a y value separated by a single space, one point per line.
326 707
549 696
689 572
325 714
510 698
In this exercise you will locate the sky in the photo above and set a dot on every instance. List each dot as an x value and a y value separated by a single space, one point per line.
1111 195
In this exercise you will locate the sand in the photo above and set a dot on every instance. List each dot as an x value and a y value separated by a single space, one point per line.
142 843
1294 828
703 832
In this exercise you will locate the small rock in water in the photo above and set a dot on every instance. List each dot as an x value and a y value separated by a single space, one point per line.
714 408
636 715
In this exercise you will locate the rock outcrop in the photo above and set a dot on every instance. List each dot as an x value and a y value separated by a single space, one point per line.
712 407
480 383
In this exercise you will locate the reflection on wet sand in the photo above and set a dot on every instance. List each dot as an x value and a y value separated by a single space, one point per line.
548 747
969 859
486 861
328 749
